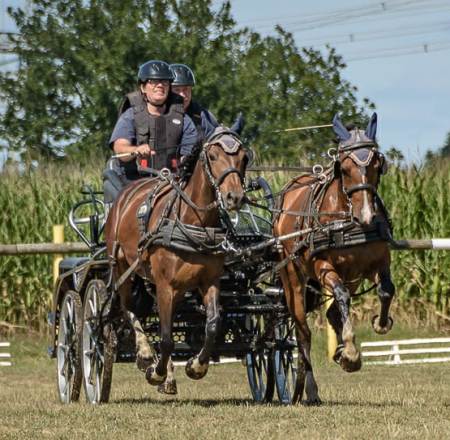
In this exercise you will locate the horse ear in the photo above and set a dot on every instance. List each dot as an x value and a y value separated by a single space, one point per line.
338 127
238 124
371 130
207 127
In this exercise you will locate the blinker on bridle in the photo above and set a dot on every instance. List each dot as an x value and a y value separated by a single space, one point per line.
216 182
348 151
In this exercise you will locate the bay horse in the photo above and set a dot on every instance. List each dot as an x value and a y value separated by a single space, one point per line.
349 243
216 185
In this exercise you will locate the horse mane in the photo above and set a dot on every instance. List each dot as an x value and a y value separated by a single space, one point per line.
189 162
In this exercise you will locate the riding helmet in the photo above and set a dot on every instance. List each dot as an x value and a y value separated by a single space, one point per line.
183 75
154 69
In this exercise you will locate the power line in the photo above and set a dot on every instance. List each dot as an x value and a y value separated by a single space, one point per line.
368 18
399 51
333 13
396 11
380 34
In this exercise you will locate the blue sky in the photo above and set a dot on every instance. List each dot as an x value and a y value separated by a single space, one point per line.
411 92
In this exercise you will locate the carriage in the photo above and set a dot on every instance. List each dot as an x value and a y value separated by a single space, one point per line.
87 339
341 220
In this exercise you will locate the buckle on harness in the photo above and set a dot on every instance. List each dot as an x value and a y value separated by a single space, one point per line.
165 173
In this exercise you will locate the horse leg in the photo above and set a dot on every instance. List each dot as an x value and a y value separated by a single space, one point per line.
294 291
386 291
156 374
145 353
197 366
334 318
170 384
350 359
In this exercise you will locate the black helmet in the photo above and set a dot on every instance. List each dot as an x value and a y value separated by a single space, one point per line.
154 69
183 75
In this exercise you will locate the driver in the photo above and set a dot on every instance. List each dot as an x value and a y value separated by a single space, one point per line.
152 125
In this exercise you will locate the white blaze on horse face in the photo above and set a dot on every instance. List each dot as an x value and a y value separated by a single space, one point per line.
366 210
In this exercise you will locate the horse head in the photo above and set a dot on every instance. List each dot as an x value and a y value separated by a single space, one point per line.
360 165
224 161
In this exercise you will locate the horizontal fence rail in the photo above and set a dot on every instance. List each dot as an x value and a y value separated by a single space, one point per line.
4 363
434 243
43 248
78 247
393 351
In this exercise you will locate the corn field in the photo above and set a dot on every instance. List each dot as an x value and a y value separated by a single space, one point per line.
31 202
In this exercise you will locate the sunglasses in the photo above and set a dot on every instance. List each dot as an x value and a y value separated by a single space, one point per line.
155 82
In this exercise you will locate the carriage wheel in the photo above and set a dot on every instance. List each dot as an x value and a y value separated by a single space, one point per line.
68 359
97 345
259 363
285 365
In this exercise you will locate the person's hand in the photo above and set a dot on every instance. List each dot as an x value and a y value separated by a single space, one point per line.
144 150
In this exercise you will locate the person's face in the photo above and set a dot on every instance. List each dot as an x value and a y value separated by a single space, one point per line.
185 92
156 90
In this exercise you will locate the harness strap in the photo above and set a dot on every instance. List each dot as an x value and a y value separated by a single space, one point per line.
126 274
361 187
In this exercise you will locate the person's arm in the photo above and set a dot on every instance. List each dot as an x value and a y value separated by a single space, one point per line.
122 146
123 138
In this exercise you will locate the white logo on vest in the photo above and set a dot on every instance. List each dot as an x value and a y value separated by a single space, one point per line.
176 121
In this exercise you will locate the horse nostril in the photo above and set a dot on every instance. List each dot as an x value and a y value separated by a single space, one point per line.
233 199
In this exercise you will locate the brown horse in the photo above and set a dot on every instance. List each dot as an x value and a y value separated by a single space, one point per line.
348 244
216 185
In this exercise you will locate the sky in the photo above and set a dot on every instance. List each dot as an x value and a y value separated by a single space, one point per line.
397 54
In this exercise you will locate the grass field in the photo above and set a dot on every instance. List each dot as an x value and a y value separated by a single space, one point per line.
408 402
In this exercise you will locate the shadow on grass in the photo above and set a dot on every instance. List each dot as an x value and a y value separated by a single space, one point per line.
207 403
360 403
176 402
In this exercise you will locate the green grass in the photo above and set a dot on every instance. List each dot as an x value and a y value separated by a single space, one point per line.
407 402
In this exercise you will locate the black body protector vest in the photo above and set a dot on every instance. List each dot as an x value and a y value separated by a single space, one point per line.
163 133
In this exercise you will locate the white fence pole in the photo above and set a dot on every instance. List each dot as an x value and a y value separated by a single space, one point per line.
5 355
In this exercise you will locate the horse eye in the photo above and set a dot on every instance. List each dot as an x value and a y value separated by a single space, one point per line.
212 156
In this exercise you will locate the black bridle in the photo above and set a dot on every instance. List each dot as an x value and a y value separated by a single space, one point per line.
347 153
216 182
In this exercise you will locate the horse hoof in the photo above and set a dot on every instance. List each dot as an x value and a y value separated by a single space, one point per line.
313 401
338 354
168 387
195 370
143 363
379 329
153 378
350 365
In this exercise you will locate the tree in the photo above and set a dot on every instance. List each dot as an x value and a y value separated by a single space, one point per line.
79 57
395 155
445 150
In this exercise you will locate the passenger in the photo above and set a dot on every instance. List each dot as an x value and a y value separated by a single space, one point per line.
204 120
152 125
182 85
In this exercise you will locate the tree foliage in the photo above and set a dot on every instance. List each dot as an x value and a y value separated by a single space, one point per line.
79 57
